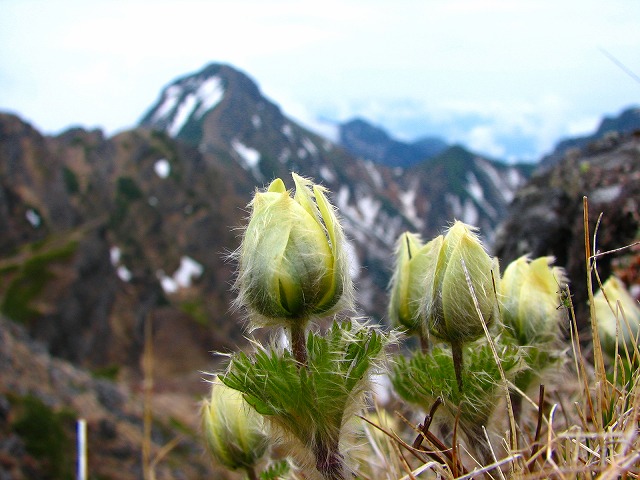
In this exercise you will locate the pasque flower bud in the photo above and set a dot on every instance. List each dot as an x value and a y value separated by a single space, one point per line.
234 432
292 262
611 316
449 306
414 263
530 295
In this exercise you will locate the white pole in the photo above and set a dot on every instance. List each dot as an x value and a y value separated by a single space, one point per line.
82 449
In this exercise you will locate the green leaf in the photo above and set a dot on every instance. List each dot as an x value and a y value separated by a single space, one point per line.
312 402
424 377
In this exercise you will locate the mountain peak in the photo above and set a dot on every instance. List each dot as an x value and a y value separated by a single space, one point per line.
184 103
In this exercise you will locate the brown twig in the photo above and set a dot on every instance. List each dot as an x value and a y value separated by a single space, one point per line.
424 427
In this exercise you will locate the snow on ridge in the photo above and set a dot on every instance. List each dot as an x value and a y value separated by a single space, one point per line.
171 97
374 174
407 199
287 131
250 156
310 146
368 208
474 188
209 93
326 174
506 183
182 114
256 121
201 96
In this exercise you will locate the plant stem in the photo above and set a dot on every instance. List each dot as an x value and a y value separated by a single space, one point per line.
299 343
251 473
425 344
329 460
458 361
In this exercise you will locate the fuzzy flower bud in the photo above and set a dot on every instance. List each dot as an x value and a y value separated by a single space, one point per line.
530 295
293 263
450 311
414 263
611 316
233 431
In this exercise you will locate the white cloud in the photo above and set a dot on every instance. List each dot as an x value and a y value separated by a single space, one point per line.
482 139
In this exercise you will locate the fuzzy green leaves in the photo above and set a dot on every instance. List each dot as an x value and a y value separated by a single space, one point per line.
292 262
311 404
425 377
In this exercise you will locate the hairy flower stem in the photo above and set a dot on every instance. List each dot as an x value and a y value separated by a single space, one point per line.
425 344
299 343
251 473
456 351
329 460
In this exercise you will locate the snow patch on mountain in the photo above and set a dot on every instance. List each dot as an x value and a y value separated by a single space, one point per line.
187 99
310 146
326 174
374 174
209 94
183 277
287 131
368 208
250 157
408 201
33 218
506 183
476 192
162 168
465 211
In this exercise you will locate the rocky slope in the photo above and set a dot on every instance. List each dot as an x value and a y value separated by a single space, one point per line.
546 216
42 398
100 233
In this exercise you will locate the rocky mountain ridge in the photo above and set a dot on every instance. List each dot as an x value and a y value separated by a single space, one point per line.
626 122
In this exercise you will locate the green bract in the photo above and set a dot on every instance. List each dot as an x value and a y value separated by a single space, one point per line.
232 429
414 263
611 316
450 311
292 260
529 293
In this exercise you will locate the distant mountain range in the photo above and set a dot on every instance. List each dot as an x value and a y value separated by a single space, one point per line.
364 140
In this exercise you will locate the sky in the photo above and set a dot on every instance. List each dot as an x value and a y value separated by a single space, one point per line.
506 78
